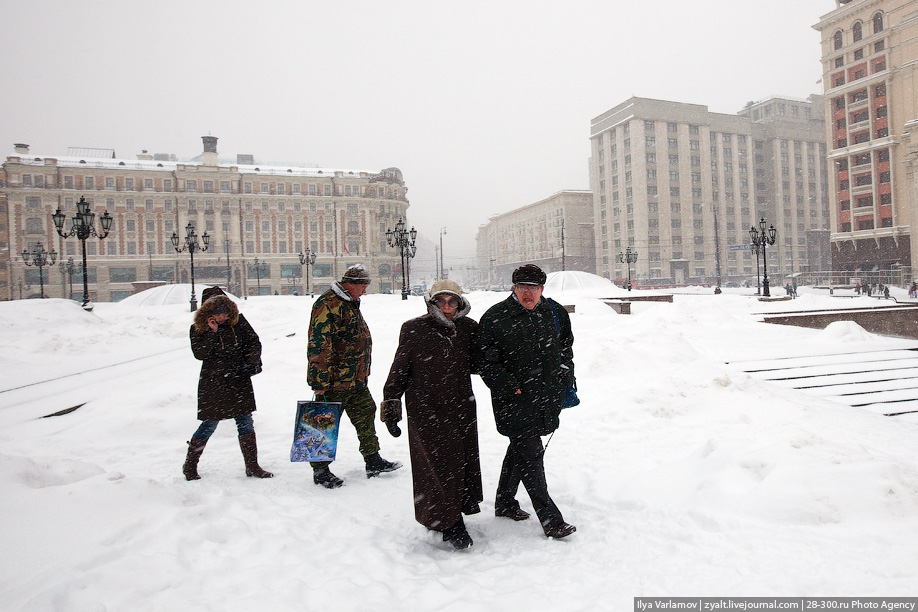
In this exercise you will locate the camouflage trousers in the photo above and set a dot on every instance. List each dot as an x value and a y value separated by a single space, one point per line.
360 408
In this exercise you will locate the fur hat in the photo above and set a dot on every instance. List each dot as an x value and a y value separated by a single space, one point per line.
530 274
446 286
356 275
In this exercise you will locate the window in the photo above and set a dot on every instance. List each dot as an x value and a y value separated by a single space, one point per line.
880 91
837 40
225 186
209 186
857 31
859 53
191 185
878 23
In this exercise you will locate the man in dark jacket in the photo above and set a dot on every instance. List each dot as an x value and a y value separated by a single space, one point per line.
339 353
527 361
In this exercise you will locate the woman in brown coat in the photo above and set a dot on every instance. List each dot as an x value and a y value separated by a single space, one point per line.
432 368
230 352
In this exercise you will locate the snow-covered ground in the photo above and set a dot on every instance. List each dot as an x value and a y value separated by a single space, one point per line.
684 475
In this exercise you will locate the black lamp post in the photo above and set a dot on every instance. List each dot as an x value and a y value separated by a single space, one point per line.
191 245
761 240
404 241
258 274
628 257
308 259
40 258
67 268
442 271
83 227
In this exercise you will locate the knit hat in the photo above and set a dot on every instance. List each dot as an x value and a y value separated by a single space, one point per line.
530 274
211 292
356 275
445 286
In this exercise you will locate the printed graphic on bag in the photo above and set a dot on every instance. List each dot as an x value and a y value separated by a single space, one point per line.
315 436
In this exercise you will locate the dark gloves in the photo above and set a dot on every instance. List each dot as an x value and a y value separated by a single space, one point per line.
249 369
390 413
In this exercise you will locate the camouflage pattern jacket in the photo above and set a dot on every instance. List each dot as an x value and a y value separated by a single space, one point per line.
339 343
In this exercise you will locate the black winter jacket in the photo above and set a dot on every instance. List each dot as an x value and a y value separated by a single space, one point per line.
521 349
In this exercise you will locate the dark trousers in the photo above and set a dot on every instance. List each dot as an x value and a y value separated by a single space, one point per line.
524 462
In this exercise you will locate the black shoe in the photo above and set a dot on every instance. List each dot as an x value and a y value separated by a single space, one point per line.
561 530
517 514
458 536
325 478
376 465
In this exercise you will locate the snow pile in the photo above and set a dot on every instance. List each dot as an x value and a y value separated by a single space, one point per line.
684 477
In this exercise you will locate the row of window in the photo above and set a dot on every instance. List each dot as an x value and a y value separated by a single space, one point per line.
208 186
149 205
857 31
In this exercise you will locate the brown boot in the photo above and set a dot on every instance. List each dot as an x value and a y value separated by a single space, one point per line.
250 455
195 448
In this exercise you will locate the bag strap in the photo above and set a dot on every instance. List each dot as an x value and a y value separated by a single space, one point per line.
554 315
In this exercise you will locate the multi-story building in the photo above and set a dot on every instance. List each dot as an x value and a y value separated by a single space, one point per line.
682 186
870 78
258 219
555 233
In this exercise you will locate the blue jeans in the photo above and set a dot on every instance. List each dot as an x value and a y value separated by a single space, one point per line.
244 425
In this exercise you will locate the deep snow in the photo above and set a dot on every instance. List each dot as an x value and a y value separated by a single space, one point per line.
684 476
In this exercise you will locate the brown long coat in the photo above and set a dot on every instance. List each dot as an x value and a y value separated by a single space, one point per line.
433 368
224 389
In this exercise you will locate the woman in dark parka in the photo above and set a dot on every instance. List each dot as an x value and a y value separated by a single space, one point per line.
230 352
433 368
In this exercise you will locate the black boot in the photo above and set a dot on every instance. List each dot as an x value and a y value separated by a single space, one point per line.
376 465
195 448
325 478
250 456
458 536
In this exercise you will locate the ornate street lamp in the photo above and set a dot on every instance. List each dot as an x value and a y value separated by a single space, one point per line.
308 259
40 258
628 257
83 227
191 245
258 275
761 240
67 268
399 238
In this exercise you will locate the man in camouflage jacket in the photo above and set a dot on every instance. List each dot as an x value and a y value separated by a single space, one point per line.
339 356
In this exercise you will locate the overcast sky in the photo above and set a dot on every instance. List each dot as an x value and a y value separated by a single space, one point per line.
484 105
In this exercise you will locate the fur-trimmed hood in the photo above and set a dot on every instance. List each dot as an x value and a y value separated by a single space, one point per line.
439 317
217 302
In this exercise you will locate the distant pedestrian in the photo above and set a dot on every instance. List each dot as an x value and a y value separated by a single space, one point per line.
230 352
432 369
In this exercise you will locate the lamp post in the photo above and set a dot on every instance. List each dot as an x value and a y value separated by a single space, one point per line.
761 239
191 245
442 270
67 268
308 259
258 275
404 241
83 227
40 258
628 257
